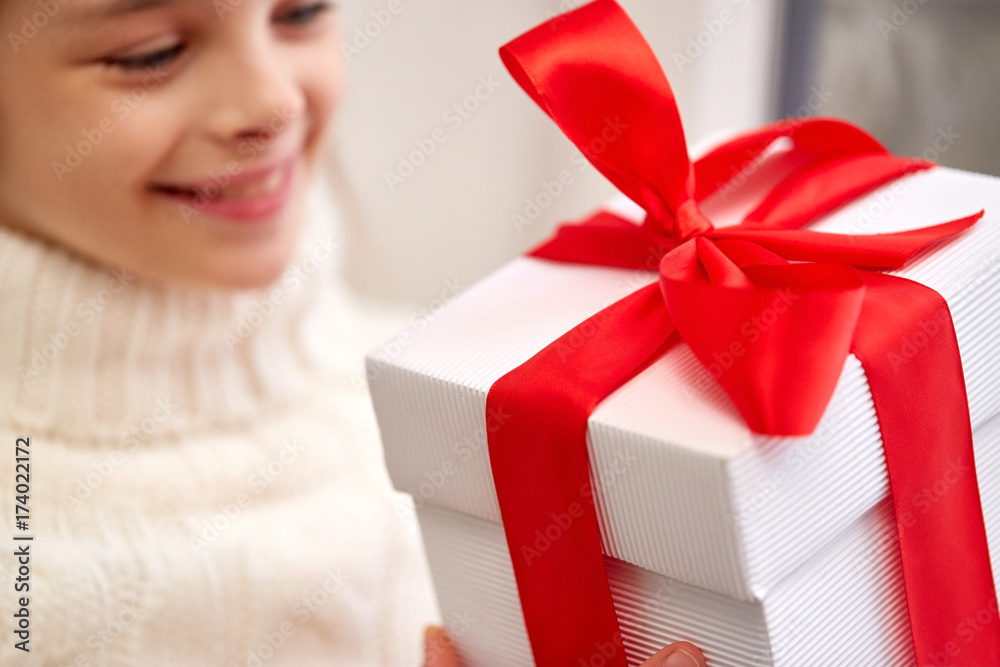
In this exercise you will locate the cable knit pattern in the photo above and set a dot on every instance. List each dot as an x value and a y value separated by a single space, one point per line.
206 482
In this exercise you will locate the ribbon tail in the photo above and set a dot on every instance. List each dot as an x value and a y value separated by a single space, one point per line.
923 413
542 475
882 251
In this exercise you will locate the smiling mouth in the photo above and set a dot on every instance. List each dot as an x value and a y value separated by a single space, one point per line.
243 196
221 190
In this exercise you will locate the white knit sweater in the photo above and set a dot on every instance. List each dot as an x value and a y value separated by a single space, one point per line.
207 486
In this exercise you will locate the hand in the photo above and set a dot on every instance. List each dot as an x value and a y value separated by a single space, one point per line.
678 654
439 651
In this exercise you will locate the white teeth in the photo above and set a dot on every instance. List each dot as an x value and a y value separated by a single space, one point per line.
265 187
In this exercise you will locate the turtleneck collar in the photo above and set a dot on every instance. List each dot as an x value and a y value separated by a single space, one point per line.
88 351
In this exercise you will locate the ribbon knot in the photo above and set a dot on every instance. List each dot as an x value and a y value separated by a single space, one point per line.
688 222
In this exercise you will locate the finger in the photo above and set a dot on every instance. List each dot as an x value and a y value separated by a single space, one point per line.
678 654
439 650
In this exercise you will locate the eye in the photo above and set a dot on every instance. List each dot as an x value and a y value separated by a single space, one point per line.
305 14
146 60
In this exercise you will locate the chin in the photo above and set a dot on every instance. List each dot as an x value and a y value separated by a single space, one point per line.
259 278
254 273
226 270
256 265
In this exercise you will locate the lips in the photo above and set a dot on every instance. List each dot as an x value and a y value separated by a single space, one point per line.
243 195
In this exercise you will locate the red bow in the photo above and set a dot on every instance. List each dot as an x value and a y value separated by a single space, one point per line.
591 68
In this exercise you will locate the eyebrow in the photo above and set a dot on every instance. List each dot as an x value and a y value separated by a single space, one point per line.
119 8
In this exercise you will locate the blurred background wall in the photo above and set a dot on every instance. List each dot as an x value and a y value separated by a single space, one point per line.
443 168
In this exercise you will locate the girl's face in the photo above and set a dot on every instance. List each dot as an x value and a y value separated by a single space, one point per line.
172 138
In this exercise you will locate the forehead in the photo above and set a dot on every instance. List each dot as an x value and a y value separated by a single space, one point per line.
80 17
82 12
99 9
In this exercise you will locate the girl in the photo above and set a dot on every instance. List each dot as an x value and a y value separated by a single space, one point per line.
206 487
202 484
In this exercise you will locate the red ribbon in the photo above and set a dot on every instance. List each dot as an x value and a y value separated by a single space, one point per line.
591 70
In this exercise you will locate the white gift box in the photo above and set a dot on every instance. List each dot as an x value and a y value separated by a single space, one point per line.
684 490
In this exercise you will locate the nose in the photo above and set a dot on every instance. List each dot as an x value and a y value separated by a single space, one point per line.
254 97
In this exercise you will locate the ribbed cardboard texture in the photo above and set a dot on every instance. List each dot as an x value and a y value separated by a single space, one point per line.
683 488
844 605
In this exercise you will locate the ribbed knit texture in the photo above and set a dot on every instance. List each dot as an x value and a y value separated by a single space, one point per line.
207 486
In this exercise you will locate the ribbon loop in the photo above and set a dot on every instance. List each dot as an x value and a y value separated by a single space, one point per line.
608 94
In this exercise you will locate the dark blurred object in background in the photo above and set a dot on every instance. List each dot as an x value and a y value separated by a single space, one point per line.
921 75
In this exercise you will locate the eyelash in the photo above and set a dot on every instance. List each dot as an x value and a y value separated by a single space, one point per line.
306 13
298 17
146 60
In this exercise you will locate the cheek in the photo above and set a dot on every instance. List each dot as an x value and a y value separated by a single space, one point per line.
106 139
143 135
111 160
105 165
323 78
52 152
